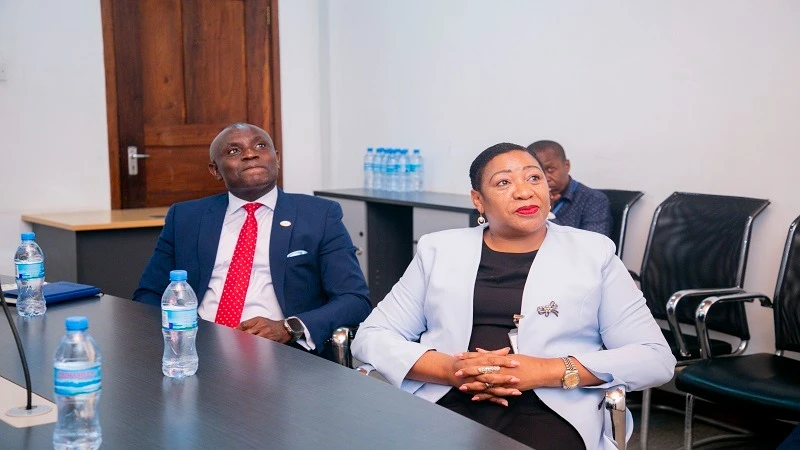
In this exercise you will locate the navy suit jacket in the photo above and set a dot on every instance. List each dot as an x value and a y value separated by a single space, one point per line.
324 288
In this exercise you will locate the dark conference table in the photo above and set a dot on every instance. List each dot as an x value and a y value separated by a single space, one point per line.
249 392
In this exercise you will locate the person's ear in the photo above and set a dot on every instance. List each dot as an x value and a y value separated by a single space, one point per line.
566 164
212 167
475 196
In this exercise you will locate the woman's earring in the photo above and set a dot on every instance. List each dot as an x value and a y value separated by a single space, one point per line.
481 220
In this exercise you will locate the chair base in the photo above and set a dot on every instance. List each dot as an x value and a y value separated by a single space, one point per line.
644 425
741 434
723 438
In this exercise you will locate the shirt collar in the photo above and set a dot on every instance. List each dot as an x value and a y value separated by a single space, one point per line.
270 199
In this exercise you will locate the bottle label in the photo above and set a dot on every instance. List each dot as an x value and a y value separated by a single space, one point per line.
179 319
74 381
30 271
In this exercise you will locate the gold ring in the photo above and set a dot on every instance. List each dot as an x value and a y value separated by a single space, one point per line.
489 385
488 369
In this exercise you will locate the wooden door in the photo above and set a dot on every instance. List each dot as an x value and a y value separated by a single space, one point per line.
177 72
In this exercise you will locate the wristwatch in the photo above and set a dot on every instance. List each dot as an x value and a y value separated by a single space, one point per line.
295 329
571 379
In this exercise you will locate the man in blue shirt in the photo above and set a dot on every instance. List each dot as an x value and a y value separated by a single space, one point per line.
573 204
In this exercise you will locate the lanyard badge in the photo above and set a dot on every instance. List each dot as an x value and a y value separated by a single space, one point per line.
513 334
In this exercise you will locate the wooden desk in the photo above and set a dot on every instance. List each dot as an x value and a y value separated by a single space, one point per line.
107 249
249 392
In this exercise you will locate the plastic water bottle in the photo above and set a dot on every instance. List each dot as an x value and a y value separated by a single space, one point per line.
369 173
179 327
417 171
379 167
77 376
29 263
381 159
391 171
402 167
376 170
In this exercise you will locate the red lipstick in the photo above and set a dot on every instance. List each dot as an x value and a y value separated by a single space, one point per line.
528 210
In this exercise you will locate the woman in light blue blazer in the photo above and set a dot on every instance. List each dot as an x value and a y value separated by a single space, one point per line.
519 323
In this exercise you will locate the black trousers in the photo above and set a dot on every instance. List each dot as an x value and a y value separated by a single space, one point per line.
526 419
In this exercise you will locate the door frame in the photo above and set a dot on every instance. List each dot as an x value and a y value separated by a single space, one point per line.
112 106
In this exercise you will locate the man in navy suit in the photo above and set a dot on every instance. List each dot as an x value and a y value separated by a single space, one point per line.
305 279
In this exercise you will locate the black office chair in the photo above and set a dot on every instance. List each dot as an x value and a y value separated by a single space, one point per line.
621 202
762 383
697 247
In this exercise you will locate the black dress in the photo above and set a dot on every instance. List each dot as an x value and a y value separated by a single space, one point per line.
498 296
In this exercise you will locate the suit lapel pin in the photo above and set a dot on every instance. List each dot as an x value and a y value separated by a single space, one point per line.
285 223
545 310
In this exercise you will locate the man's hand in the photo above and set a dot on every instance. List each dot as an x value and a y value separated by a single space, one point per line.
270 329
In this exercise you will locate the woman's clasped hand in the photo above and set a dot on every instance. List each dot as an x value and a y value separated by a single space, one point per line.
491 386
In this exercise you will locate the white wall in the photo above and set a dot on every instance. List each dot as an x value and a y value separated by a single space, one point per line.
302 95
53 137
652 96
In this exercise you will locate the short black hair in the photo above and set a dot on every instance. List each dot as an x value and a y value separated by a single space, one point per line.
539 146
482 160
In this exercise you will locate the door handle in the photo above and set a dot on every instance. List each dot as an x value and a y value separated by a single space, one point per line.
133 159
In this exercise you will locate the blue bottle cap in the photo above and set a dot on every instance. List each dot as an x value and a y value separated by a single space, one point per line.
77 323
369 149
177 275
28 236
416 150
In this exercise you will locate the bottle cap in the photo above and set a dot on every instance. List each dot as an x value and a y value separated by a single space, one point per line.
28 236
177 275
416 150
77 323
369 149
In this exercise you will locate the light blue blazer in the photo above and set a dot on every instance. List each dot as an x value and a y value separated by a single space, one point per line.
602 320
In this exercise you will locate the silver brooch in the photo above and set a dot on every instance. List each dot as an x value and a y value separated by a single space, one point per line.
545 310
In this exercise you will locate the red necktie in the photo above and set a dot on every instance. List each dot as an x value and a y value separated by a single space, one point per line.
231 304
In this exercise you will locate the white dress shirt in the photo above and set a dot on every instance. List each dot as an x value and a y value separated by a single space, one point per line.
260 300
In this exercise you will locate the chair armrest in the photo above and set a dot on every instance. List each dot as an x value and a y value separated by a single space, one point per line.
365 369
672 307
701 313
340 344
615 403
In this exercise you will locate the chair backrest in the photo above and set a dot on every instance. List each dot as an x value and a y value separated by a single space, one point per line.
699 241
621 202
787 294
